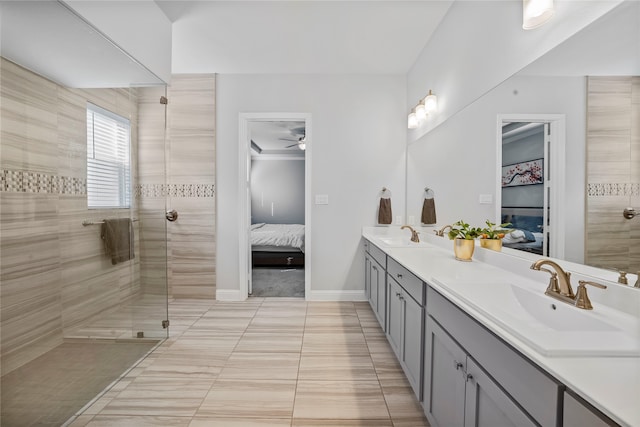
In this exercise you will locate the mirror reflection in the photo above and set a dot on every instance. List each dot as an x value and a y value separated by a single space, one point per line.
592 166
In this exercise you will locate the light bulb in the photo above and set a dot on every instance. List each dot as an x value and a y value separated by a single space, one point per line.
413 120
421 112
536 13
302 145
431 103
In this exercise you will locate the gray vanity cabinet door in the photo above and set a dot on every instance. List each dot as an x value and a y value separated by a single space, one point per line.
367 277
486 405
381 277
444 380
412 336
376 277
394 316
579 414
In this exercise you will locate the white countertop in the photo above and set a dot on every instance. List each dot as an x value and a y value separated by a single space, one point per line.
611 384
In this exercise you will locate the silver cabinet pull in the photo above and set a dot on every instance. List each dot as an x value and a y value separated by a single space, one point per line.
469 377
399 276
629 213
457 365
171 215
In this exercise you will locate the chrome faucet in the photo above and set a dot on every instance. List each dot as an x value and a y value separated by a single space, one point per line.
441 231
560 285
414 233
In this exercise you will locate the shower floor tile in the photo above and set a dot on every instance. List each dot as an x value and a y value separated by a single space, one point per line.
52 388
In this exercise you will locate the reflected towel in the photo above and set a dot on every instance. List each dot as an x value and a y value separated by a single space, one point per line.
428 211
384 211
117 235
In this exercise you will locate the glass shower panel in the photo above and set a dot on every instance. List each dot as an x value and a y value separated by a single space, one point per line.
73 320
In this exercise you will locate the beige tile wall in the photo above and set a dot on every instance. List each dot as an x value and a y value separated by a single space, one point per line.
613 172
189 188
192 156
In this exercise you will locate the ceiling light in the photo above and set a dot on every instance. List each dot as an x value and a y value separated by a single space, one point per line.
536 13
431 103
413 120
302 143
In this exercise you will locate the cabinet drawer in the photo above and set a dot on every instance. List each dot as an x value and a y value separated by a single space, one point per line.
527 384
412 284
377 254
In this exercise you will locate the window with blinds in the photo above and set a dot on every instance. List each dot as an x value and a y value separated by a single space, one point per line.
108 159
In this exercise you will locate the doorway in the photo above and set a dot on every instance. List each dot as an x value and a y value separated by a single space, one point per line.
275 154
530 155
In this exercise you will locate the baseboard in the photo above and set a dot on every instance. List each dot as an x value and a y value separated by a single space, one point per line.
336 296
230 295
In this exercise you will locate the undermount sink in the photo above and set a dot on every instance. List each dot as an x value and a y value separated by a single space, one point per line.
400 241
551 327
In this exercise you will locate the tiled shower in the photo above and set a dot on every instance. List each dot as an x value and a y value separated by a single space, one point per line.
58 290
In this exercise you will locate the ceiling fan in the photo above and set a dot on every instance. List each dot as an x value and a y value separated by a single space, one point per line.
302 143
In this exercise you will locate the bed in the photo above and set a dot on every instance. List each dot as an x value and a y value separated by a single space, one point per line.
277 244
527 225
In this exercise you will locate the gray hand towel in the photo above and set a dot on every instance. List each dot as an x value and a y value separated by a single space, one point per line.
117 235
428 211
384 211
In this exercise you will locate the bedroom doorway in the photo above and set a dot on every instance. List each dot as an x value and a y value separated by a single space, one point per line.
531 182
276 207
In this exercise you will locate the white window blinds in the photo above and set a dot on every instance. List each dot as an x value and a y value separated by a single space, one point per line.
108 159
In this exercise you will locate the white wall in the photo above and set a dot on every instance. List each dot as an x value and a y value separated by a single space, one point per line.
277 191
458 159
359 143
480 44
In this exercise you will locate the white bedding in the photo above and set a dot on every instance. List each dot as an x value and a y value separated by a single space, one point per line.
280 235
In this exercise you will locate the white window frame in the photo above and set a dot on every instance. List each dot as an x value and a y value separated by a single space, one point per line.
108 159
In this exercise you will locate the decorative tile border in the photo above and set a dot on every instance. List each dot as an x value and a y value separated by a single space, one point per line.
613 189
21 181
175 190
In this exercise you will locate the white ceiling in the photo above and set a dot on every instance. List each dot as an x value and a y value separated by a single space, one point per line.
277 138
290 37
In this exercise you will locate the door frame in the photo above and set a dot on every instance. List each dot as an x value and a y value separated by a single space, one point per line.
244 199
557 172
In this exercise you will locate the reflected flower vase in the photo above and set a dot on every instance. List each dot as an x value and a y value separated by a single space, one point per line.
463 249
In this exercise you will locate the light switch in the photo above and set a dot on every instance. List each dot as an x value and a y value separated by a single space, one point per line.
486 199
322 199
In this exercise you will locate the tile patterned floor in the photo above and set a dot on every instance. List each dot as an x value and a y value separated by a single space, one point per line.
264 362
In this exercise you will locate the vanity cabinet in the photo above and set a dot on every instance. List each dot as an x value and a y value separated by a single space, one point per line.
405 319
375 281
471 373
460 392
578 413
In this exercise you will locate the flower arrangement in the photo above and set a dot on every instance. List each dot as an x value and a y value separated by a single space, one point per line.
462 230
492 232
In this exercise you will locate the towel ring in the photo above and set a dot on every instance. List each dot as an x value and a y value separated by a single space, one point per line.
385 192
429 192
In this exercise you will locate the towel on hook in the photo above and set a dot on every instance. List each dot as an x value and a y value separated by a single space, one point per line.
428 211
117 235
384 211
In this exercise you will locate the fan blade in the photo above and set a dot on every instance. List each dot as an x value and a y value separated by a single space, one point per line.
292 145
287 139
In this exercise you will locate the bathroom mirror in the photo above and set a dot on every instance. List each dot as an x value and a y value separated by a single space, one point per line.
458 159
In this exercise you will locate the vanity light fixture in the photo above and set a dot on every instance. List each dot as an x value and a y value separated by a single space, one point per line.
419 113
413 120
431 103
536 13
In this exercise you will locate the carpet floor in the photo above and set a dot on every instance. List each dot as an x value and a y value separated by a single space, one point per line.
278 282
